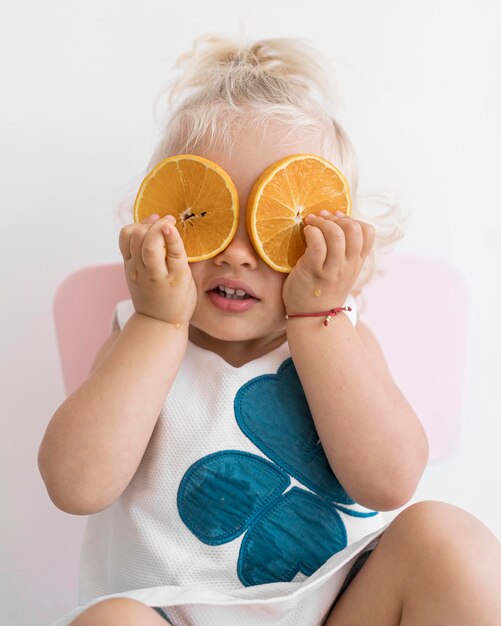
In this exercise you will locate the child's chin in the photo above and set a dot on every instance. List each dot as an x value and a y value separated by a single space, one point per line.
227 330
231 332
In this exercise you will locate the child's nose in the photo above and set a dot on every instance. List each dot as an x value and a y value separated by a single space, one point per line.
240 251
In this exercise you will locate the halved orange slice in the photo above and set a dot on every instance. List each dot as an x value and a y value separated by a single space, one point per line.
285 193
200 195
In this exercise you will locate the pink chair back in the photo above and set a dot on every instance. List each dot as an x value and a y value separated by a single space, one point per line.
417 309
83 310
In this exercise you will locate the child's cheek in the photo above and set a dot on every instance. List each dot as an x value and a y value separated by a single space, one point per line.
198 271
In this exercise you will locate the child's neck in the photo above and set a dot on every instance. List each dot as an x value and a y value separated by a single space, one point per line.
237 353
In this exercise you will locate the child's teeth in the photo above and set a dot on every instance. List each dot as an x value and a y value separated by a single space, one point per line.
232 294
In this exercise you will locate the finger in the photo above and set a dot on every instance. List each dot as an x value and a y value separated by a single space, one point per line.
136 244
316 249
151 219
353 236
153 249
330 215
175 257
369 233
334 239
124 241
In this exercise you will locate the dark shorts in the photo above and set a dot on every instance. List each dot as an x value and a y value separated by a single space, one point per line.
162 613
355 568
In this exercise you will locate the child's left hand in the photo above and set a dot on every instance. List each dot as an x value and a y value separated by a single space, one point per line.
336 248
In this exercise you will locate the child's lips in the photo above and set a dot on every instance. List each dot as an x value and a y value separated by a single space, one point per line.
230 305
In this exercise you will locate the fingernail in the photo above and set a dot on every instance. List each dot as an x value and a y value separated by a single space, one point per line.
324 212
171 218
340 214
154 216
311 215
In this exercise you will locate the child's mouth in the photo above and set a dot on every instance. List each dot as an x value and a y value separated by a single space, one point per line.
235 302
231 294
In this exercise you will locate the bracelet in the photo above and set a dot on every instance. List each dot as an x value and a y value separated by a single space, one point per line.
328 314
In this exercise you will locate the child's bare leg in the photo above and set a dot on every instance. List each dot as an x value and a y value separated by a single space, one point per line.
435 565
119 612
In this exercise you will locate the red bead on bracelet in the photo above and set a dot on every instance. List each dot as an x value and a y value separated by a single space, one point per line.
328 314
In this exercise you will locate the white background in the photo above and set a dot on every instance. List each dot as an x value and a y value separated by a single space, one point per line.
78 115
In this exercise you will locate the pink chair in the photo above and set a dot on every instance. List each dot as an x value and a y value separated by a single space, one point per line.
83 310
417 309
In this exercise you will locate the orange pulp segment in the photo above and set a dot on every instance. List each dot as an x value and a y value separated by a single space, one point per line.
200 195
285 193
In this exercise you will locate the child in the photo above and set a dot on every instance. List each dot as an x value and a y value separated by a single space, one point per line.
194 445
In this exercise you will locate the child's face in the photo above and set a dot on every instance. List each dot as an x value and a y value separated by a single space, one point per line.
262 316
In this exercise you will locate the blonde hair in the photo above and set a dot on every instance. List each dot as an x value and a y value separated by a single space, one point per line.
228 83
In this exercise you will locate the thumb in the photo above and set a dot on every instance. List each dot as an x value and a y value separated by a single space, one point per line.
316 248
175 254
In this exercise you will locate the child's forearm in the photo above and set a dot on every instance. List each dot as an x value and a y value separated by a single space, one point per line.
96 439
371 436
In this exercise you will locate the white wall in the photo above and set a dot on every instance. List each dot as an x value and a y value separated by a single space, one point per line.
421 99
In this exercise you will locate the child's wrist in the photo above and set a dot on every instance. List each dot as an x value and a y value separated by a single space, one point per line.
178 325
327 314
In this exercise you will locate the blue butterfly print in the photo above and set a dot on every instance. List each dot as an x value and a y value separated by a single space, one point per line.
231 492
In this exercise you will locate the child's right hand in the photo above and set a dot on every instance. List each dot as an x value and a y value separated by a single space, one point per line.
158 275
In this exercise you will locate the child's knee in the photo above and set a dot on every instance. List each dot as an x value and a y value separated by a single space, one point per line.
440 533
115 611
440 520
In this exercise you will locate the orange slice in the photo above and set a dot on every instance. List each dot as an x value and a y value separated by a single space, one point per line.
284 194
200 195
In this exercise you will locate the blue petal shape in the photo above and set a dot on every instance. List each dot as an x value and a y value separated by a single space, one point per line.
221 494
272 411
297 533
